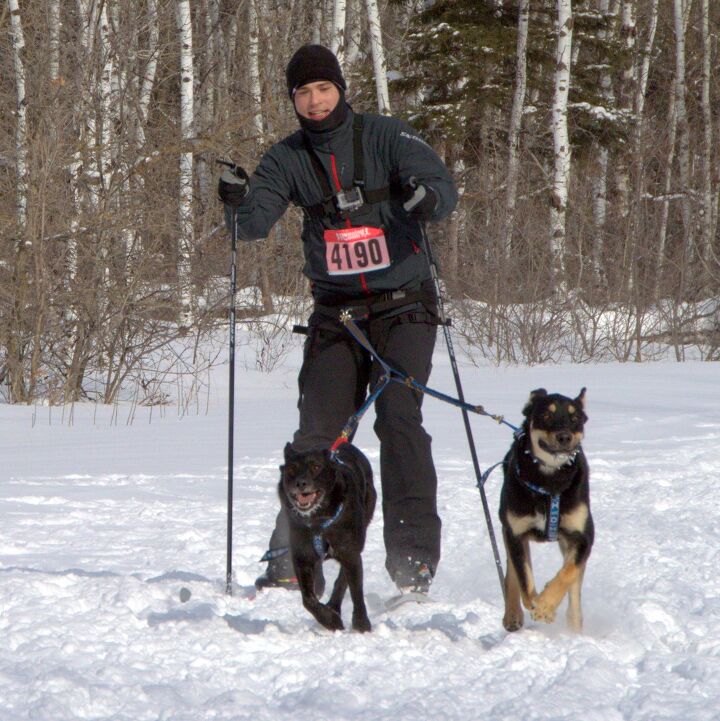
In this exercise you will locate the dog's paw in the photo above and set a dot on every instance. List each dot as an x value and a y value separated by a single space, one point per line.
329 618
542 610
513 622
361 624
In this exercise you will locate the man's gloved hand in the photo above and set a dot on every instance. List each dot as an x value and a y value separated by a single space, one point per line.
233 186
419 200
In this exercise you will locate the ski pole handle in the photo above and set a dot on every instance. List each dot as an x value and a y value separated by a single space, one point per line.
233 185
233 167
418 194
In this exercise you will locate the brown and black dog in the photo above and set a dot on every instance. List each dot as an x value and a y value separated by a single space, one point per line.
329 498
546 496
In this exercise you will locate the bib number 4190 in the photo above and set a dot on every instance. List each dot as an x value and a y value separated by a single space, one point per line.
356 250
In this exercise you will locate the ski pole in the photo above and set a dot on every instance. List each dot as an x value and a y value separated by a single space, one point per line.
228 177
458 385
231 402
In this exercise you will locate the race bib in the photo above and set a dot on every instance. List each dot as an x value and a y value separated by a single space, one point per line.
356 250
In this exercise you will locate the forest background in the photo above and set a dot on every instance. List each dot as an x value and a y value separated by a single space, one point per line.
584 137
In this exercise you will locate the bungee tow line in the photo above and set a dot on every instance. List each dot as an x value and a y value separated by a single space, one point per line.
391 374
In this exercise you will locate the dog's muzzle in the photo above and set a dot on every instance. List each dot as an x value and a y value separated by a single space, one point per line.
305 500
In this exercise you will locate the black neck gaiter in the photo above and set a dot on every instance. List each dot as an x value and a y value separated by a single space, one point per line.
334 120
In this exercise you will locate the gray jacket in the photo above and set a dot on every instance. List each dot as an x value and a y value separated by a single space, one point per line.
393 153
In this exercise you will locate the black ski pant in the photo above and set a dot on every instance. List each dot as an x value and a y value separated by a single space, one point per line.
334 381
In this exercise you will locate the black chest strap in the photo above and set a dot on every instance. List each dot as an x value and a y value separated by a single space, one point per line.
328 208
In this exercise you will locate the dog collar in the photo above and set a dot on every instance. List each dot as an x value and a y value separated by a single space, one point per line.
569 460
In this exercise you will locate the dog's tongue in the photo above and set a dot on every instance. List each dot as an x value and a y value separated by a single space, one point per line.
306 499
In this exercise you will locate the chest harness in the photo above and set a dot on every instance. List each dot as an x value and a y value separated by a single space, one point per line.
552 517
337 205
319 543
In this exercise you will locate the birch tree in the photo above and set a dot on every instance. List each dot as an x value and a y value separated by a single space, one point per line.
561 138
516 121
147 81
352 39
683 131
21 150
708 225
15 333
628 31
185 197
337 43
378 56
257 254
641 82
54 39
253 49
600 179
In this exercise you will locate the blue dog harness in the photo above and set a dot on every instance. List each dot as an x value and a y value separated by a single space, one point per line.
552 517
552 521
319 543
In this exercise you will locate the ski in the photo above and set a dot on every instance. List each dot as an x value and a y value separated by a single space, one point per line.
404 598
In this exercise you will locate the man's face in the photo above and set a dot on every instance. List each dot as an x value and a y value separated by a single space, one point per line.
316 100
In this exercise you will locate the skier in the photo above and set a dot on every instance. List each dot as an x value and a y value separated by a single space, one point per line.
365 184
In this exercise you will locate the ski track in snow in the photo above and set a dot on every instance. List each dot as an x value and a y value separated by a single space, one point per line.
93 557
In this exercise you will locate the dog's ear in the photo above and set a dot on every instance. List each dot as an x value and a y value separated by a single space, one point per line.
288 452
580 400
534 395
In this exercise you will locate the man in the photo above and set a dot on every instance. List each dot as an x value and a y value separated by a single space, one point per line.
366 183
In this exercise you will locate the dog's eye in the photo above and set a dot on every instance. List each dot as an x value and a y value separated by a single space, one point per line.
547 416
315 468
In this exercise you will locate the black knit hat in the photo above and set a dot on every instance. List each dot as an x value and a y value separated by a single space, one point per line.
311 63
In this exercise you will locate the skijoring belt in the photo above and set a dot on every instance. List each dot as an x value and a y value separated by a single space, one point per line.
393 302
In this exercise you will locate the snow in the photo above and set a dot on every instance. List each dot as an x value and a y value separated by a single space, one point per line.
106 518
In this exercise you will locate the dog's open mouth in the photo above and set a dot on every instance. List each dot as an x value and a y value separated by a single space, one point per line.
563 450
306 501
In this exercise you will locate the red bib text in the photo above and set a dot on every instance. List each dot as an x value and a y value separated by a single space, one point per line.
356 250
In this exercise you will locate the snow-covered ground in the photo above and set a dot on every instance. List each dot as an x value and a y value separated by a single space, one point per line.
103 521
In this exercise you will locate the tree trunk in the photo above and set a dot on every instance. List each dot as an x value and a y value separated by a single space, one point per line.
54 40
259 254
185 199
253 49
636 231
378 55
516 124
148 77
600 178
706 247
561 140
21 151
683 139
337 44
352 39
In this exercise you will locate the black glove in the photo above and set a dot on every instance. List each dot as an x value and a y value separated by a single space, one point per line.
419 200
233 186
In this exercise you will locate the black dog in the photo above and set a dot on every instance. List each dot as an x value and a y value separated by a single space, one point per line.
329 499
546 496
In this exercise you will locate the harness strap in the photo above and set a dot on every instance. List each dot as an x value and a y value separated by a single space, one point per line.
552 520
358 157
319 543
272 553
377 304
327 208
391 374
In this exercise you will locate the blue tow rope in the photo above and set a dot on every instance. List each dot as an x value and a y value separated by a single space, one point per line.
392 375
